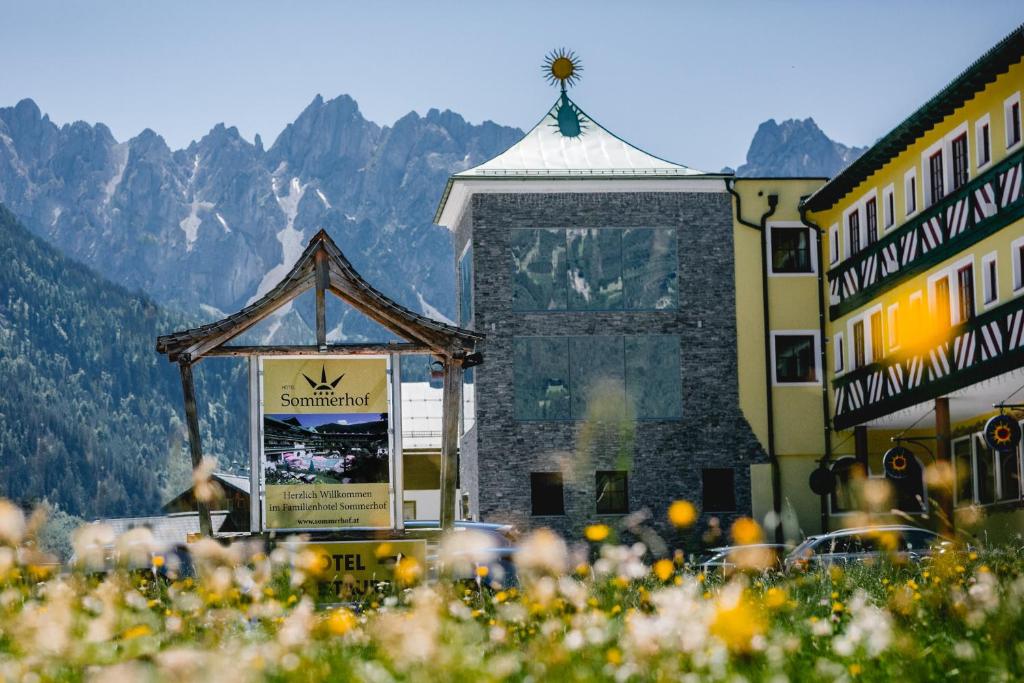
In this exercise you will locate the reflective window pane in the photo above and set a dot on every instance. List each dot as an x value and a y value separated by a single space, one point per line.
466 288
649 268
541 367
962 471
653 378
595 269
984 460
538 270
597 376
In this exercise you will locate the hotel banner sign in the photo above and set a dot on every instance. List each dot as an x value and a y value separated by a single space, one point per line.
326 447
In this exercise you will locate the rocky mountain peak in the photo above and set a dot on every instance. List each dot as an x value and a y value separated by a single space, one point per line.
795 148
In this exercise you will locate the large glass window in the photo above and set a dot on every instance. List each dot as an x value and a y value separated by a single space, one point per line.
649 264
653 376
612 491
963 471
984 460
794 358
571 377
541 378
538 267
594 269
791 250
466 288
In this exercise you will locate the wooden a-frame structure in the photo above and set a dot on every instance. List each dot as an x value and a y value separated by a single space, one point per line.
324 267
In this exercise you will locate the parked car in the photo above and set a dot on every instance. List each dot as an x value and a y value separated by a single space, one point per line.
759 556
501 569
864 544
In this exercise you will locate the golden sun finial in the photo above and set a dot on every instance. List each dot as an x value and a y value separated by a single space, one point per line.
563 67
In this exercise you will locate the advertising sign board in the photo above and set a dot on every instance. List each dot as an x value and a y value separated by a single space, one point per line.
326 448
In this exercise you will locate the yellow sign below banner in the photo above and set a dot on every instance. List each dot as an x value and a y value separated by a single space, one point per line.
326 443
348 569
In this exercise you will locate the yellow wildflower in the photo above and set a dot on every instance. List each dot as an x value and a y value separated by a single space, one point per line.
775 597
614 656
664 569
596 532
682 514
746 531
341 621
137 632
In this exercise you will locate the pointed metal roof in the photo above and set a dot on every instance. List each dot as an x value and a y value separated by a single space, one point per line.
546 151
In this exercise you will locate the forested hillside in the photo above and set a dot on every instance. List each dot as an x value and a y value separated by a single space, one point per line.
90 416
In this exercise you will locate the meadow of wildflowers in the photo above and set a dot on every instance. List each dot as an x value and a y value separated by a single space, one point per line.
587 609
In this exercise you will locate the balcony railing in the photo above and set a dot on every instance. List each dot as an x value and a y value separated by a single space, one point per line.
985 346
964 217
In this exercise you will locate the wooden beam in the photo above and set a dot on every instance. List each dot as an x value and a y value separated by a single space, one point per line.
323 280
450 439
195 446
304 350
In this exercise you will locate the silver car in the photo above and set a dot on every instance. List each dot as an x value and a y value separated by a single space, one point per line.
863 544
727 559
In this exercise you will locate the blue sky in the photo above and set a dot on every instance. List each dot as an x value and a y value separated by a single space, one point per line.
686 81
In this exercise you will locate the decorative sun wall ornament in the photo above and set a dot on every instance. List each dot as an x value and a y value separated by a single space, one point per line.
563 67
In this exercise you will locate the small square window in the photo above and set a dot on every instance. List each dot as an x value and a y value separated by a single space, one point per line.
791 250
794 359
546 495
612 489
719 489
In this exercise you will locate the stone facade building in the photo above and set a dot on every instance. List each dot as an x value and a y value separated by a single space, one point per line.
604 280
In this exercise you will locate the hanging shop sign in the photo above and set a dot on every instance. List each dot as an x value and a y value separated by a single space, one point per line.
326 456
823 481
897 462
1002 433
345 570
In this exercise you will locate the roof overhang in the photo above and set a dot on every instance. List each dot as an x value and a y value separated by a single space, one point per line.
974 79
460 189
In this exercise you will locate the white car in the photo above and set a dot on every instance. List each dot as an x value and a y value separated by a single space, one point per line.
863 544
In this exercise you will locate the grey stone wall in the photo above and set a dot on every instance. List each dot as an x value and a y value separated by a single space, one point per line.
666 457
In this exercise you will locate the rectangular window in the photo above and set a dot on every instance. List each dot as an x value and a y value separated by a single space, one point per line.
791 250
871 217
541 385
538 270
942 311
894 326
468 400
876 336
963 472
595 269
833 244
650 262
985 470
1009 474
839 353
982 141
889 199
965 281
960 163
935 171
546 493
567 378
1011 110
719 489
795 359
612 491
853 232
990 285
466 288
910 192
859 357
1018 265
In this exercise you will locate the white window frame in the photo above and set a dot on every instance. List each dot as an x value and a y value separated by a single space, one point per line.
979 126
945 145
1007 111
838 353
1018 276
834 246
817 357
987 298
888 220
862 221
847 242
811 245
910 194
893 325
951 271
869 351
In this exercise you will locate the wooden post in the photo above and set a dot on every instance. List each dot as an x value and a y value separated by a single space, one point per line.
860 447
450 439
943 457
323 281
196 448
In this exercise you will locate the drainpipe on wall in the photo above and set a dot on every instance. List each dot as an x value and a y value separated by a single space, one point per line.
818 233
773 202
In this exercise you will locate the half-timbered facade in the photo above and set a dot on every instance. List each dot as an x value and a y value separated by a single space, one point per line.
924 237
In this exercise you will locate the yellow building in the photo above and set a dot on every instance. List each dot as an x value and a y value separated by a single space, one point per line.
923 240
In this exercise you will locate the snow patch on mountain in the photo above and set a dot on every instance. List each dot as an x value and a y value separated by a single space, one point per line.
291 239
190 223
431 311
120 156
